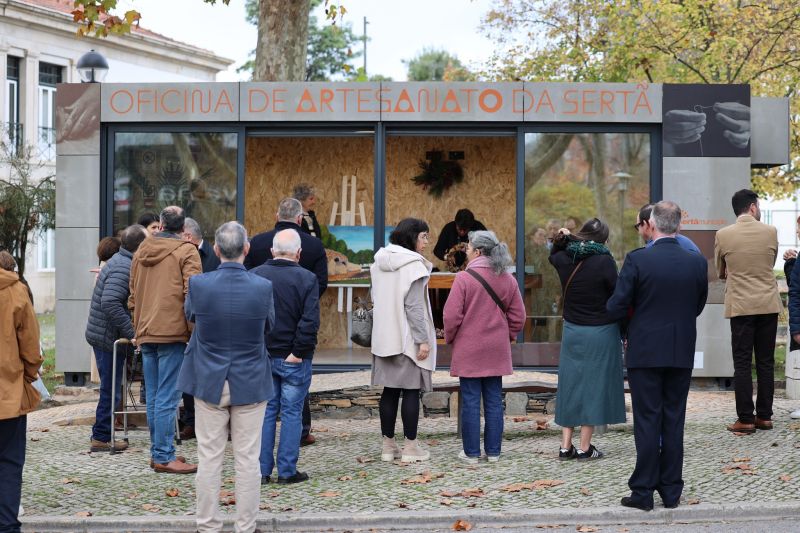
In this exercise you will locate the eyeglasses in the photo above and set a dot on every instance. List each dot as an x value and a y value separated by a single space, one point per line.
639 225
425 236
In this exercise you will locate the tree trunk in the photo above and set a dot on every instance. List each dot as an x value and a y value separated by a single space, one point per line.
282 40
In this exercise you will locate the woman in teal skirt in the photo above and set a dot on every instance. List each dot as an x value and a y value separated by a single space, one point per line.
590 382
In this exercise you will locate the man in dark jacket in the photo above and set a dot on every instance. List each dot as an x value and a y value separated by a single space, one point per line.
456 231
313 258
667 287
110 320
291 345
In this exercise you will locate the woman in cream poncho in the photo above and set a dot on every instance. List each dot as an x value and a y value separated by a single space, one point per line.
403 335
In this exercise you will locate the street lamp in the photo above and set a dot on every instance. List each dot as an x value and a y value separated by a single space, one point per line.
92 67
623 179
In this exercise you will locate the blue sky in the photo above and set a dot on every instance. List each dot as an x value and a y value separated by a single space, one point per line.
398 30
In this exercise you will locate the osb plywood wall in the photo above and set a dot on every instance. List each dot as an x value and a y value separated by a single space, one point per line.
488 189
275 165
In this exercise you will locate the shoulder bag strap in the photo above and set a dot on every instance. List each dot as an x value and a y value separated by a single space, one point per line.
488 288
566 286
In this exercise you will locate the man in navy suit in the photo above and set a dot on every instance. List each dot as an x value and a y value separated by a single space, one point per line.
227 369
666 286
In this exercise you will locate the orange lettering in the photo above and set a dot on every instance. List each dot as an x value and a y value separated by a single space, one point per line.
586 101
325 99
362 100
164 102
574 108
498 100
404 98
625 100
606 99
544 100
646 104
306 99
469 98
227 101
276 100
451 97
344 99
525 104
382 100
124 92
431 105
197 97
141 98
250 105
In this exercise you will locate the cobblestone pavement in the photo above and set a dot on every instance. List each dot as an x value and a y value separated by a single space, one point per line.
63 478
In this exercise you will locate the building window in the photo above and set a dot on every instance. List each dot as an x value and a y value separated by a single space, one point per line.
12 124
45 251
49 76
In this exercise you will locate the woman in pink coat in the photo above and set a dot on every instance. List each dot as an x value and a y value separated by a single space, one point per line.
483 313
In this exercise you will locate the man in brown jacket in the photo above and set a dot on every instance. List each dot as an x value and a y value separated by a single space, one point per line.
20 359
745 254
160 273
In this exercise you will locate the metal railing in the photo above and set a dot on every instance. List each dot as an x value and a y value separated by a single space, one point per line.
47 143
13 135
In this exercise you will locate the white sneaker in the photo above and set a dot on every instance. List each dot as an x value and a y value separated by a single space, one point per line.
795 414
21 510
492 458
467 459
412 452
390 451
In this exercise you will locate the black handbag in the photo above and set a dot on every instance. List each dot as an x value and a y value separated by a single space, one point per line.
362 323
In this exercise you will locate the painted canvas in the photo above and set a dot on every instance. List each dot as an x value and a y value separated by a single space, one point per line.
350 250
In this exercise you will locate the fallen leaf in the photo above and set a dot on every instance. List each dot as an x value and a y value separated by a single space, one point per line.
473 504
345 478
549 526
172 492
229 480
274 494
362 474
546 483
228 501
44 430
517 487
585 529
264 507
794 425
364 459
473 493
520 419
623 529
741 459
585 491
461 525
449 493
541 424
70 480
402 505
692 501
321 430
446 501
432 442
288 509
224 493
342 435
150 507
83 514
785 477
34 439
330 494
424 477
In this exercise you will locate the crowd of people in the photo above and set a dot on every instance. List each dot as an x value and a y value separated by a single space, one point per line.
232 329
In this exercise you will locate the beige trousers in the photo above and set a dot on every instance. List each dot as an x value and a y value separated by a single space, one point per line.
211 429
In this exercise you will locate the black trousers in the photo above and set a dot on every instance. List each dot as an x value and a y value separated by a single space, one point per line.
659 412
12 459
749 334
306 418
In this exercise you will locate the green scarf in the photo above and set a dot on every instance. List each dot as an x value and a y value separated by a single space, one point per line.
580 250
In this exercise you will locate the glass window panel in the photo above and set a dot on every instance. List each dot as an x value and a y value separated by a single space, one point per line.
45 248
49 74
196 171
12 68
570 178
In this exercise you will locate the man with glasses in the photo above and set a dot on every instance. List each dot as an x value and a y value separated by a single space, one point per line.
644 226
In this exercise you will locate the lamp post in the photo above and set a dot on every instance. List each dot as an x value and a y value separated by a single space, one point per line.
623 179
92 67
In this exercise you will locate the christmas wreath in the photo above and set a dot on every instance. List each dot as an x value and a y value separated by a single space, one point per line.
456 257
438 175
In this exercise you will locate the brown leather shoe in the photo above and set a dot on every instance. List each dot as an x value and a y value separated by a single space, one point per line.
175 467
187 433
308 440
178 458
741 427
100 446
763 424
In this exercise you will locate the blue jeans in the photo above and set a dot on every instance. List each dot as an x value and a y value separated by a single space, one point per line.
290 382
101 430
162 363
471 390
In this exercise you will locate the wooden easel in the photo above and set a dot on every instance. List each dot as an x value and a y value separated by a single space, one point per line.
347 212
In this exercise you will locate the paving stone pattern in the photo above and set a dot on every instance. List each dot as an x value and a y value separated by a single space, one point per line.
62 478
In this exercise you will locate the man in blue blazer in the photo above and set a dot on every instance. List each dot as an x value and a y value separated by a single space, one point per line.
666 288
226 368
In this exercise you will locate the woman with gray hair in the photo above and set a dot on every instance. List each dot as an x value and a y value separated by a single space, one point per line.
483 313
590 388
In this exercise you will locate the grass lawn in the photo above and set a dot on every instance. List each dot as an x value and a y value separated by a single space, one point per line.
47 332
